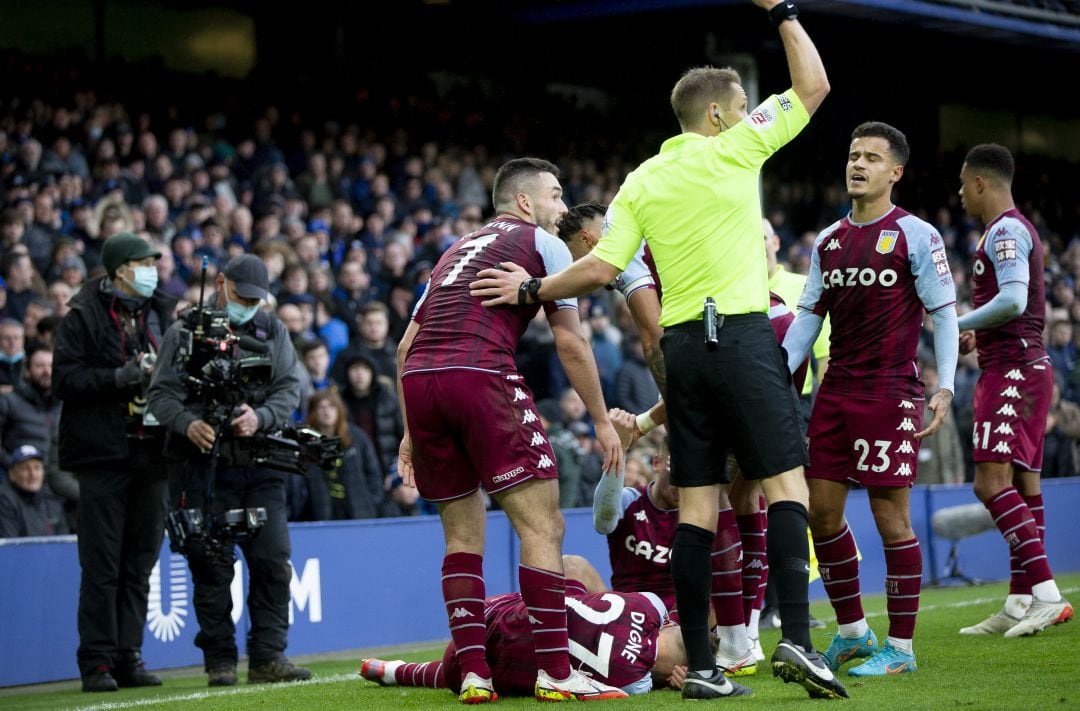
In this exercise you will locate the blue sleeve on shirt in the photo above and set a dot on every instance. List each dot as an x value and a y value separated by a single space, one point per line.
556 257
929 264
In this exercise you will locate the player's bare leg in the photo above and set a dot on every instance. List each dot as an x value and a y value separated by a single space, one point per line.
891 507
994 485
789 564
533 509
463 592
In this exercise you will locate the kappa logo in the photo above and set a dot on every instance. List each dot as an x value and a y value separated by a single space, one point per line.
529 416
1007 409
1010 391
905 448
545 462
833 244
1001 448
886 241
640 516
534 621
755 563
907 405
519 394
507 475
537 439
903 470
1004 428
1014 374
907 425
460 612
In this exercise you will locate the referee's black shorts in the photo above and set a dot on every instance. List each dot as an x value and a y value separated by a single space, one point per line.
737 398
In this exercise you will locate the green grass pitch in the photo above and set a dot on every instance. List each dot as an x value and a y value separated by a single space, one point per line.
955 672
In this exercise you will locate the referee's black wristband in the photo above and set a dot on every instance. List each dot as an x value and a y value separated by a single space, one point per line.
530 288
786 10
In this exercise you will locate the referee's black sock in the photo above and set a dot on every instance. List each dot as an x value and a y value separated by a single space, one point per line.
691 569
789 564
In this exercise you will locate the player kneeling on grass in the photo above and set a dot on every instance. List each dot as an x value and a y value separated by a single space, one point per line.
622 639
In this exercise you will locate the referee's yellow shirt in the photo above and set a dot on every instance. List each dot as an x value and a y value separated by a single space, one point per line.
696 204
789 287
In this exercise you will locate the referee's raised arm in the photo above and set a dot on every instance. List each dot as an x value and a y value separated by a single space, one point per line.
808 77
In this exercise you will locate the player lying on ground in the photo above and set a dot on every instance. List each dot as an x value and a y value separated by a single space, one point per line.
621 639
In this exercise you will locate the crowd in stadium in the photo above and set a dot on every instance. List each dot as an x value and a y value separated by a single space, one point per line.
349 220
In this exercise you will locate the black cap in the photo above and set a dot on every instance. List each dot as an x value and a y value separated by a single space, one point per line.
249 274
27 451
122 248
549 410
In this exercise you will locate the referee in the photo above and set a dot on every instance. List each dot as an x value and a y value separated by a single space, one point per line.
696 203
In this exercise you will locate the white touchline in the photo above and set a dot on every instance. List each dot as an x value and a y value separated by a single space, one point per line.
333 679
198 695
962 603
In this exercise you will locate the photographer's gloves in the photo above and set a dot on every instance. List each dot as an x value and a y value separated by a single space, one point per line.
131 375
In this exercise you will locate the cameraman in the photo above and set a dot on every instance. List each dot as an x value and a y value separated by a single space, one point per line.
240 287
101 369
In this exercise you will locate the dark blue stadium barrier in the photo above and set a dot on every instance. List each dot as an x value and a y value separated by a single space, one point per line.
372 583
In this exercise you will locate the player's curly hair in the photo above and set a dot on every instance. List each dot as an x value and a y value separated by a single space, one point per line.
992 158
898 144
697 88
511 175
571 222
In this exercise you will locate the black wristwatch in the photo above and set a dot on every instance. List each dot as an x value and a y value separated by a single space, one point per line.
784 11
529 289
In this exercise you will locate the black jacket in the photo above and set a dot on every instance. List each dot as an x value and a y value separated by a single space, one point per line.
380 408
27 417
95 421
357 486
23 514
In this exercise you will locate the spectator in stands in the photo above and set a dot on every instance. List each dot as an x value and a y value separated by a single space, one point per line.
635 387
101 372
29 414
374 340
43 231
606 340
27 506
353 488
1060 453
20 278
1060 347
12 355
316 359
373 406
330 328
568 454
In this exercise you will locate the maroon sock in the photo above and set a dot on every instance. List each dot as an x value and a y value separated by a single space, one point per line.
430 675
544 593
1013 518
903 580
838 563
463 592
1038 512
727 568
755 566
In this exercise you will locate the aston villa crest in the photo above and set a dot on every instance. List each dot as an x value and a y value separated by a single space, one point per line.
886 241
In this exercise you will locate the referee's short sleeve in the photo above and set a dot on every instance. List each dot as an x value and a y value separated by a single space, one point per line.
620 235
765 130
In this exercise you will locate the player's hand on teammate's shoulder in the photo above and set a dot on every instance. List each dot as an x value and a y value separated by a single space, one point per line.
939 405
499 285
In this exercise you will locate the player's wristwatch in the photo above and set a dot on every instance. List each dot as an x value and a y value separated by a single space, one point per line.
786 10
529 289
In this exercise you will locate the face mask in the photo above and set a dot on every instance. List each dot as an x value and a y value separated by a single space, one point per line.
10 359
238 313
145 280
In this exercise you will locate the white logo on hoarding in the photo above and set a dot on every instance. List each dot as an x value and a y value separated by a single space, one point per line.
306 590
166 626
